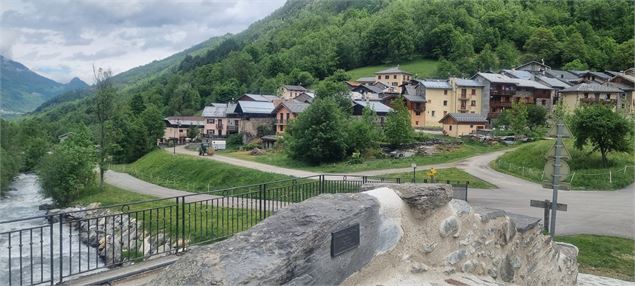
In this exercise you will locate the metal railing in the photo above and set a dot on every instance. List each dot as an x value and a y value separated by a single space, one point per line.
50 248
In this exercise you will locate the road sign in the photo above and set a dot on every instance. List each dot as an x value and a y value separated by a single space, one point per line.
564 154
546 204
550 171
561 186
553 131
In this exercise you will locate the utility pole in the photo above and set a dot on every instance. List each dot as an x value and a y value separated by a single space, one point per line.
557 168
556 178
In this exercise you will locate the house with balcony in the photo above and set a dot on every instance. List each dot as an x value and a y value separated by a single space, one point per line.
591 93
287 111
467 95
217 123
287 92
252 118
415 103
439 99
626 83
176 128
498 91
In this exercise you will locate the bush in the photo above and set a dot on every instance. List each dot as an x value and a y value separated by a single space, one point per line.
68 171
398 129
234 141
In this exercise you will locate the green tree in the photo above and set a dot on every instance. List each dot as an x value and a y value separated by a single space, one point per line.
507 54
397 129
606 131
518 119
625 54
487 60
105 93
576 64
536 116
363 133
543 44
336 91
152 121
137 104
68 171
318 135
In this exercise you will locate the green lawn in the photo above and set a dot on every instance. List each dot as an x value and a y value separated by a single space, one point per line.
420 67
279 158
443 175
604 255
189 173
586 172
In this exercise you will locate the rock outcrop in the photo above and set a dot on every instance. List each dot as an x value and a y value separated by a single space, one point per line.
409 234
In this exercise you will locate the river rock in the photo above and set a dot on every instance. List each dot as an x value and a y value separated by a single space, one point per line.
449 227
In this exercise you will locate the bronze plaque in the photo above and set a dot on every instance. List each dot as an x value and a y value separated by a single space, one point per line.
344 240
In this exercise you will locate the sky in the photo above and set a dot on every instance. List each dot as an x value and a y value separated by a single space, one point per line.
62 39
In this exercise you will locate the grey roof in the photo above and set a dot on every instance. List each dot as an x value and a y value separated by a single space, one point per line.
256 107
294 106
410 89
533 63
530 83
294 87
366 79
519 74
380 85
496 78
624 87
185 120
468 82
392 70
435 83
374 105
414 98
305 97
215 110
374 88
562 75
466 117
261 97
578 73
626 77
591 87
553 82
599 74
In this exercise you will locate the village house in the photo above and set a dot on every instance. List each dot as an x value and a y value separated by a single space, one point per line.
176 128
467 95
380 109
285 112
591 93
393 78
459 124
306 97
253 118
287 92
438 100
414 101
259 97
626 83
217 123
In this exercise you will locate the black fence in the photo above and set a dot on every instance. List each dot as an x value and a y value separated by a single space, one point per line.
47 249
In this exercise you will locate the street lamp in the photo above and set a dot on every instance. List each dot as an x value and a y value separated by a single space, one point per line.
178 122
414 172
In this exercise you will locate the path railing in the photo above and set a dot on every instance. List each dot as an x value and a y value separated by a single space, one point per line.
48 249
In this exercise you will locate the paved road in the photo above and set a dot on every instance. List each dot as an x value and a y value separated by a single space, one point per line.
592 212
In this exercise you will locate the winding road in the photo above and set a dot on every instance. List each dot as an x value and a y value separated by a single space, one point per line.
590 212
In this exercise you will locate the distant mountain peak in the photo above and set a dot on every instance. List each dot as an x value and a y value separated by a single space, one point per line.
77 82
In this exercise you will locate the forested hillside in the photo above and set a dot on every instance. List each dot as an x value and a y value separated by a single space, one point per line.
308 40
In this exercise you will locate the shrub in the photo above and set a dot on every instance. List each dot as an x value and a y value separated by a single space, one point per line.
234 141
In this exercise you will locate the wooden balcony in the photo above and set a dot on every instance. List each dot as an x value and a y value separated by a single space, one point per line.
232 128
498 92
499 104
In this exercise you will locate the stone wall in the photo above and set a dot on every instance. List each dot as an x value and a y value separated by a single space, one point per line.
406 232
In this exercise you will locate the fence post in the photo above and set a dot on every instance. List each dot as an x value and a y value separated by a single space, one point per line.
62 247
610 177
398 180
177 225
467 183
51 249
183 221
264 203
321 182
364 179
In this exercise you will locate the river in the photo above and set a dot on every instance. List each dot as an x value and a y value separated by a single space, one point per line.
26 244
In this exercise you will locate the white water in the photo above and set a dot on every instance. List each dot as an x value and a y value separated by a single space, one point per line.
22 201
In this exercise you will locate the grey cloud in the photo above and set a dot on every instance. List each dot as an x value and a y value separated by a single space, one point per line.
101 54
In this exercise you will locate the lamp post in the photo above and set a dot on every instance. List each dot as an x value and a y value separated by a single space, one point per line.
414 172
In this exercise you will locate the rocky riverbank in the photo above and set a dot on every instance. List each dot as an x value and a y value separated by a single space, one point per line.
118 237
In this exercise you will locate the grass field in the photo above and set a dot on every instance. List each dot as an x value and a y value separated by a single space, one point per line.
279 158
419 67
443 175
189 173
528 162
604 255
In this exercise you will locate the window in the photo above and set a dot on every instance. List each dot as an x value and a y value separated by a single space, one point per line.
445 103
432 113
544 102
418 113
472 112
180 130
473 91
416 122
210 121
445 92
445 112
608 96
287 116
471 125
281 128
473 103
394 76
586 95
450 127
378 77
394 84
386 77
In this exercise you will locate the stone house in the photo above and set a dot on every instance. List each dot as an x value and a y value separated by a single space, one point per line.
285 112
176 128
591 93
217 123
288 92
626 83
459 124
499 91
252 117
